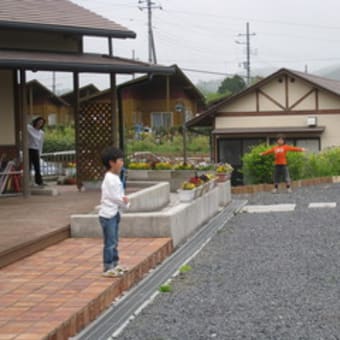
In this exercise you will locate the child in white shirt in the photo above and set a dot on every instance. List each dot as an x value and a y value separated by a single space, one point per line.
112 199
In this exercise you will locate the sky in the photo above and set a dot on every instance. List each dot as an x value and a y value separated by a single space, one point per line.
201 35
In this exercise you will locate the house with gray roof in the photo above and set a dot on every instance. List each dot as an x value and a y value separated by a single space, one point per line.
304 107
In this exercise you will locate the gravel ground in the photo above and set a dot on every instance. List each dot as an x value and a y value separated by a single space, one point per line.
263 276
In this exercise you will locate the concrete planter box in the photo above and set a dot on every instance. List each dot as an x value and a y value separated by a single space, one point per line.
174 177
178 222
224 193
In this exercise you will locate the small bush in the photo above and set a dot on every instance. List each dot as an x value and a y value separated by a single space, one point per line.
59 138
257 169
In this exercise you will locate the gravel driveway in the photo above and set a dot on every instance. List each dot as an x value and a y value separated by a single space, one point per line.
263 276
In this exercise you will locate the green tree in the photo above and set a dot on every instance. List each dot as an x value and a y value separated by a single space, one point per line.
232 85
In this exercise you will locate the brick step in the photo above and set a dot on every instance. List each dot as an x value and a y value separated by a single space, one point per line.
19 251
54 293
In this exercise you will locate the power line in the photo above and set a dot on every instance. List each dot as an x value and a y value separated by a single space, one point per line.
210 72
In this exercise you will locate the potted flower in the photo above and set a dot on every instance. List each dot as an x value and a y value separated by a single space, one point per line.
70 169
187 192
223 171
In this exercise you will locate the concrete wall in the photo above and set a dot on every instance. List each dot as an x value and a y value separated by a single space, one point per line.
7 116
330 137
177 222
174 177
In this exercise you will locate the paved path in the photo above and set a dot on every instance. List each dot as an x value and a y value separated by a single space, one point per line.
272 275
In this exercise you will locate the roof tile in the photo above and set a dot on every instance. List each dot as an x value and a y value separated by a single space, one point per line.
49 14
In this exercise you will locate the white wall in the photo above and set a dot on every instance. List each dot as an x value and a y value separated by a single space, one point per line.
7 119
331 122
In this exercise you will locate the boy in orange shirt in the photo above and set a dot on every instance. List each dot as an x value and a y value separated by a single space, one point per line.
281 169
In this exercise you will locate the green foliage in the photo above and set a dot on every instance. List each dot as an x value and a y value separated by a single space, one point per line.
169 145
59 138
212 98
259 169
297 162
185 268
232 85
166 288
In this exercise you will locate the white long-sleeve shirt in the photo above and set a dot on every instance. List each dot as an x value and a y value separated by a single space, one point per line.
35 138
111 196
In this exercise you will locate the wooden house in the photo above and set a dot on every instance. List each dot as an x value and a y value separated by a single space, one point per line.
43 102
153 101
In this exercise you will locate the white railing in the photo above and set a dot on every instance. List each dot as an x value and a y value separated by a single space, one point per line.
55 163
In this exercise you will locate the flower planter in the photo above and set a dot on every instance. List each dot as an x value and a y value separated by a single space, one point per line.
212 184
186 195
222 177
69 172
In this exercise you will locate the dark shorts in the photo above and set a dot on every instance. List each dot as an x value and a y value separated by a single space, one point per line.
281 172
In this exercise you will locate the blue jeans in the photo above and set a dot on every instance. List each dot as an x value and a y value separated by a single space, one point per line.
110 227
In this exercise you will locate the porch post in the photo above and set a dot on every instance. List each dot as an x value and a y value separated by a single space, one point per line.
114 120
76 126
121 121
167 93
24 134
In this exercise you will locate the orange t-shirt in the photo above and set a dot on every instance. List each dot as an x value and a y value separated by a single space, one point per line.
280 153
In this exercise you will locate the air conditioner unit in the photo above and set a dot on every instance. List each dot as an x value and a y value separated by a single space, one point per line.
312 121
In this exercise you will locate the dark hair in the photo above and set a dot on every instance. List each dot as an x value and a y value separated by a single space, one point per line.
36 120
283 137
111 153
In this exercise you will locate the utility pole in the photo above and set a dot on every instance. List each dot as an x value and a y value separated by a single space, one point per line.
246 64
149 5
54 87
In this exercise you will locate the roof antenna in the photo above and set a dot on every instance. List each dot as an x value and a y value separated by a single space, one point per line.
306 68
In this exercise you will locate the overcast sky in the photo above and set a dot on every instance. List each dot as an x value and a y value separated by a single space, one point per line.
198 34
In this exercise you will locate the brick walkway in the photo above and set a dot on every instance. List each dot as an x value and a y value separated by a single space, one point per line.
54 293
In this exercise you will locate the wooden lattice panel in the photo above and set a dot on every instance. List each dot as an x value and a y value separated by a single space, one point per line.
94 134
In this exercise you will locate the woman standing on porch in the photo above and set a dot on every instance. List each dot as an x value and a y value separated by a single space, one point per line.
35 145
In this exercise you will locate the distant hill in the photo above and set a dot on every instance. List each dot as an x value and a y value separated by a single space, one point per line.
332 72
209 86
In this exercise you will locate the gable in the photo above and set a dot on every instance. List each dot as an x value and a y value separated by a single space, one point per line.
243 104
285 93
328 101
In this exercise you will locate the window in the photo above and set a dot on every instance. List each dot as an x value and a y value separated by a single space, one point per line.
312 145
161 120
52 119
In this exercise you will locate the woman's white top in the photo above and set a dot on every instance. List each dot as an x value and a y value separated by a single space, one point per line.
111 196
35 138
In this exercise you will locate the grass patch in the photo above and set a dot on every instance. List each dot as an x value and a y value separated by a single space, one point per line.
185 268
166 288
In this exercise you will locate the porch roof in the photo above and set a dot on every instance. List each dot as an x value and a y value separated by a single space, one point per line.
58 16
73 62
299 130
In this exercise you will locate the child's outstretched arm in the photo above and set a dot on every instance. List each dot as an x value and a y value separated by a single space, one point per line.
295 148
268 152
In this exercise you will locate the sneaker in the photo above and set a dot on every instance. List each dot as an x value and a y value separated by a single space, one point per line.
112 273
121 269
289 190
274 191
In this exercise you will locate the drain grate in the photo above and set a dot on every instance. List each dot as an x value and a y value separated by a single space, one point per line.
119 314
